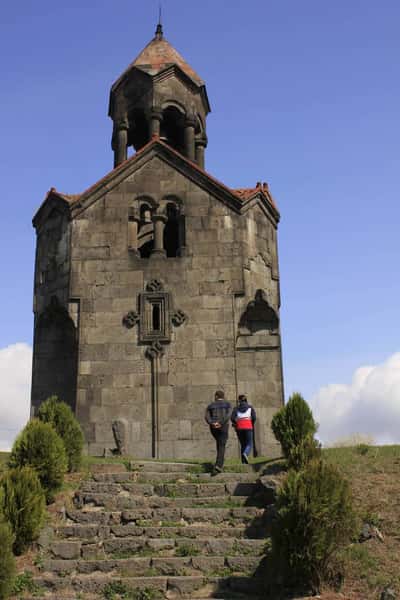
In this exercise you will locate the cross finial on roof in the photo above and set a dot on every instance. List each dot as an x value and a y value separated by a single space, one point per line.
159 30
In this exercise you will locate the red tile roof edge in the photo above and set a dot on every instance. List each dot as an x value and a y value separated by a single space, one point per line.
241 194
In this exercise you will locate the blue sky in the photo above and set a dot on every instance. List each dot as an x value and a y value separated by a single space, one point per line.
304 95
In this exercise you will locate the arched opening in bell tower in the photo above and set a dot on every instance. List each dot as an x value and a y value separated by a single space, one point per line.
172 128
172 242
138 135
146 231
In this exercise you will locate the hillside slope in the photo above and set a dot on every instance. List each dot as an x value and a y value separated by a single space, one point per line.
371 565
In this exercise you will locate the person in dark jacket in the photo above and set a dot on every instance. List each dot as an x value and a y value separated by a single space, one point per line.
243 419
217 416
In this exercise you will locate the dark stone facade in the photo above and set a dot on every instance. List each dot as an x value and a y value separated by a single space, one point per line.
158 285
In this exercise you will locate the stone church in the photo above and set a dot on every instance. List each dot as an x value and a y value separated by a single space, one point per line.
159 284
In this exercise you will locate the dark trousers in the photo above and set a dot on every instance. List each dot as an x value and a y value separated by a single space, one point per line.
221 437
246 441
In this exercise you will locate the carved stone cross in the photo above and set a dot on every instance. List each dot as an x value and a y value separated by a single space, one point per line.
155 320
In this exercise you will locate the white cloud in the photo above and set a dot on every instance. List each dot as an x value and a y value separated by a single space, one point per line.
369 405
15 383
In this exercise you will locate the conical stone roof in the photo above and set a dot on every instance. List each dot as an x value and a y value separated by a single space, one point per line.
157 56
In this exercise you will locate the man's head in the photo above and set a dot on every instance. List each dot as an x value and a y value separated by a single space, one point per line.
219 395
242 399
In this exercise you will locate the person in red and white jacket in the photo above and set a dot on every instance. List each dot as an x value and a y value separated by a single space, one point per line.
243 418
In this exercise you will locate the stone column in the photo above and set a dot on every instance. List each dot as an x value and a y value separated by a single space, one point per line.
201 144
155 121
121 144
190 125
159 224
133 227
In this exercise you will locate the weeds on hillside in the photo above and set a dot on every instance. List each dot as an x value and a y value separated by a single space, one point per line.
117 590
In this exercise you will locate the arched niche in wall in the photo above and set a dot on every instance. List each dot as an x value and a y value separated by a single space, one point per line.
258 325
56 355
259 316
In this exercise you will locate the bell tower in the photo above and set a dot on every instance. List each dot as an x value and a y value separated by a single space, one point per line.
158 284
159 95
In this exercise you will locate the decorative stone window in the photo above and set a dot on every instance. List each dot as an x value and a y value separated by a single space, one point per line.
154 316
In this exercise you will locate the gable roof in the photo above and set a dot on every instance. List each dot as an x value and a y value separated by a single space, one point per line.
247 194
237 199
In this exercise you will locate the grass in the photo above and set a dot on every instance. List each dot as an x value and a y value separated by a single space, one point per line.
117 590
187 550
3 460
24 583
374 474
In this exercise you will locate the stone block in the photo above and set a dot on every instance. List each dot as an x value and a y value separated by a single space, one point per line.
199 349
243 564
205 378
170 565
132 544
91 551
59 566
160 544
185 585
128 530
185 430
66 550
207 564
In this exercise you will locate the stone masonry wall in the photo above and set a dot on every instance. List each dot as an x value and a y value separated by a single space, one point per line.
212 284
55 334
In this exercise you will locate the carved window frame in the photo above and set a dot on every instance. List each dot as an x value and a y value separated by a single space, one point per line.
147 302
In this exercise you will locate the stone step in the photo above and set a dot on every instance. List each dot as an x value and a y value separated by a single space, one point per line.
89 543
122 518
189 515
155 566
158 477
96 518
192 515
122 501
130 538
162 467
119 495
166 586
104 467
82 596
69 595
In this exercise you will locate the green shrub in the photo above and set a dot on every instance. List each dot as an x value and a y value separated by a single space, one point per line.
294 428
61 417
315 521
39 446
7 560
362 449
24 583
23 505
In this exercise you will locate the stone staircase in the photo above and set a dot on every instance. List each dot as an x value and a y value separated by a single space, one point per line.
159 530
